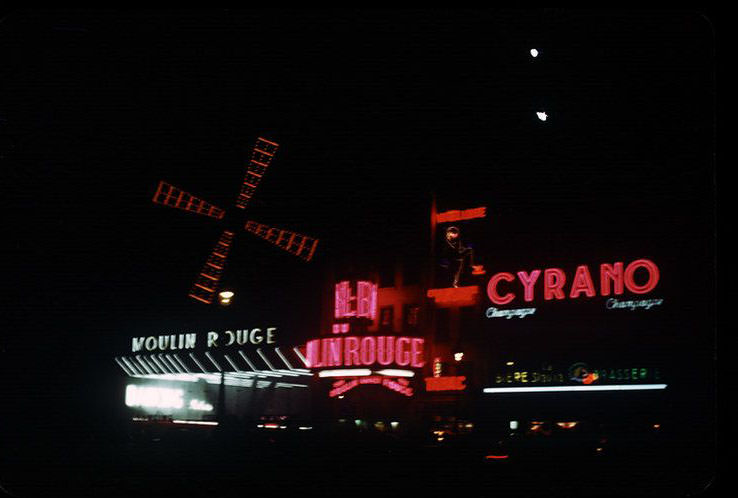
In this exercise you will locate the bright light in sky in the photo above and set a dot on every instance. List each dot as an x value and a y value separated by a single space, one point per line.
542 116
534 52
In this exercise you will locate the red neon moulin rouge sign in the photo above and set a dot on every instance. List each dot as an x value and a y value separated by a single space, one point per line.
365 351
613 278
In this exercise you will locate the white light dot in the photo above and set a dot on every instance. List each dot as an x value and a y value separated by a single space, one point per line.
542 116
534 52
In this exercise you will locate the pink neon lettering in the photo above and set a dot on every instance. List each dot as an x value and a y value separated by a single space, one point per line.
582 283
402 357
416 348
385 350
368 346
351 354
528 282
335 352
553 281
608 273
342 300
492 288
653 276
312 353
367 299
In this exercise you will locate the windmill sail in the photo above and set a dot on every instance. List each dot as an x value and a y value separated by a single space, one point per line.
171 196
206 283
300 245
262 155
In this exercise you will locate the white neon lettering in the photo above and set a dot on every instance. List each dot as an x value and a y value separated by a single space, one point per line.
254 338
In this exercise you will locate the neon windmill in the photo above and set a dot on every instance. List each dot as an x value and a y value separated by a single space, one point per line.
205 286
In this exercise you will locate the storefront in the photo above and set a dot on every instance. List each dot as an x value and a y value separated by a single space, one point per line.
243 377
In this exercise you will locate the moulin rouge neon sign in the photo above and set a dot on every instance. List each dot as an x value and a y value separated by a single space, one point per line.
365 351
614 278
356 302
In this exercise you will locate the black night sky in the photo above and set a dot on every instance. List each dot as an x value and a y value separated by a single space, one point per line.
374 111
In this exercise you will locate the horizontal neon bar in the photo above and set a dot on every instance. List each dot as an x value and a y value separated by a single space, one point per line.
193 422
621 387
460 215
496 457
348 372
390 372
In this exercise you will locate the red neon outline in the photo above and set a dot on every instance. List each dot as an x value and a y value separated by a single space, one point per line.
492 288
553 283
582 283
612 273
653 276
529 282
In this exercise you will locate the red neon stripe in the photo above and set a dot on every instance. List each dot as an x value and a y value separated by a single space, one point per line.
267 141
158 191
496 457
203 287
263 152
312 251
457 215
199 299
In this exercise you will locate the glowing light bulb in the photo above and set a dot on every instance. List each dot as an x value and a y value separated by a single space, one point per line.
458 356
225 297
533 52
542 116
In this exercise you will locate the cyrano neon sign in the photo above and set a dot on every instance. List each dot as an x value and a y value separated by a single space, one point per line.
614 278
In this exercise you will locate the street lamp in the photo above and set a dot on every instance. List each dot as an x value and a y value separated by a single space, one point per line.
224 297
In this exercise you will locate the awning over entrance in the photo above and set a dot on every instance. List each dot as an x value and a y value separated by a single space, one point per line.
262 367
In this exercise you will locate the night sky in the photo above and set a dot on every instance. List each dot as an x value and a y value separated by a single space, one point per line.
374 112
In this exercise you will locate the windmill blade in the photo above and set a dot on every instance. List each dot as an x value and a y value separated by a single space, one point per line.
262 155
206 283
300 245
171 196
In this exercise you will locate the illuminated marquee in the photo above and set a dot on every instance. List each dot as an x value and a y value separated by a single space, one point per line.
365 351
614 278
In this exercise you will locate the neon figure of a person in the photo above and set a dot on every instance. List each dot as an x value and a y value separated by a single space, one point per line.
460 254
